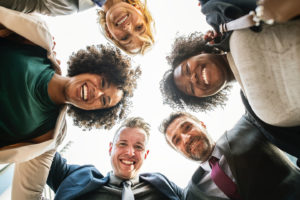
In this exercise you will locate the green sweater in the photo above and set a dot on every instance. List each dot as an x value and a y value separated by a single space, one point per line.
25 107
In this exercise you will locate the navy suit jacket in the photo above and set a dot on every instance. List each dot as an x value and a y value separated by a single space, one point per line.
72 181
260 169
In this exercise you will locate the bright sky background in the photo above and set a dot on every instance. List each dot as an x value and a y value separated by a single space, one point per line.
91 147
172 18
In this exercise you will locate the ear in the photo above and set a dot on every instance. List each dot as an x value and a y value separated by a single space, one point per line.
202 124
146 154
110 148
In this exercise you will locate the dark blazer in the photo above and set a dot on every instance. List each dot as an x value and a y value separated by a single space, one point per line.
260 169
286 138
72 181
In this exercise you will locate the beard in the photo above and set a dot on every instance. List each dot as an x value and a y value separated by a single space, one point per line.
198 147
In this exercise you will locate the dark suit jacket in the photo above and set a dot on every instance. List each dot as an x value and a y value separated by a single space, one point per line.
72 181
260 169
286 138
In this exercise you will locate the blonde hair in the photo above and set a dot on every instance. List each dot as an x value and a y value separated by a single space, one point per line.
148 39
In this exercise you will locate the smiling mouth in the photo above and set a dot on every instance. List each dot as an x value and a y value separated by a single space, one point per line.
204 76
84 92
127 162
122 20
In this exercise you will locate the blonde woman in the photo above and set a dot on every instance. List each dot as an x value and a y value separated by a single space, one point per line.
126 23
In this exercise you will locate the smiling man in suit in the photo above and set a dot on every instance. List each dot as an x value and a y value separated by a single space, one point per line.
242 164
128 150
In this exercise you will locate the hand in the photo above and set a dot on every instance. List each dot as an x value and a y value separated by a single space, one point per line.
210 36
4 32
54 52
279 10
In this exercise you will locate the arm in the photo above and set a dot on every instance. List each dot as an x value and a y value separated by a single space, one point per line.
30 177
58 171
48 7
280 11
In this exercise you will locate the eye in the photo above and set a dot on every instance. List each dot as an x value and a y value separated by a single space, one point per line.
139 147
188 71
139 27
122 144
124 38
103 83
103 100
192 89
187 128
176 141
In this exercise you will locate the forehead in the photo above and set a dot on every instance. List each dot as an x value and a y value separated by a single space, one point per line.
131 134
175 125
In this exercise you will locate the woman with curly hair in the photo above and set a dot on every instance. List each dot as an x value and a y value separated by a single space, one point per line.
180 93
114 70
126 23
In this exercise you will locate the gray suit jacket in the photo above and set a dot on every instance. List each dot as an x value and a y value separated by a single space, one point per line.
260 169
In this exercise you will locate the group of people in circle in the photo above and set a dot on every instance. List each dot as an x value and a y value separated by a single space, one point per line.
35 97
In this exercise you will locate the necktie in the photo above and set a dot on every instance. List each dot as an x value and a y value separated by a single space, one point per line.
127 193
222 180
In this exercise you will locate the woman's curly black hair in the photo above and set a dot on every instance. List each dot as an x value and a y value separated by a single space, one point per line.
109 61
182 49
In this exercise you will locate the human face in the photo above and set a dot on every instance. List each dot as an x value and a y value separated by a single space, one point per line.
128 152
202 75
190 138
92 91
126 25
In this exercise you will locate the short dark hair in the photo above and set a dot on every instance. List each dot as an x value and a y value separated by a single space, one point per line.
135 122
173 116
109 61
182 49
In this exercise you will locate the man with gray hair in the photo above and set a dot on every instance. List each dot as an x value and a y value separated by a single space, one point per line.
128 150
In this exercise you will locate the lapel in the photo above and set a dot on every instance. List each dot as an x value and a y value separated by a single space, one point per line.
192 191
79 185
161 184
31 27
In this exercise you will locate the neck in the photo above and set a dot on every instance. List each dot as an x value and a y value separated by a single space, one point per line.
109 3
56 89
228 69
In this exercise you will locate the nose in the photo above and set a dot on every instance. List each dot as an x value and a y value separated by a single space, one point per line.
130 151
98 93
127 27
193 78
185 138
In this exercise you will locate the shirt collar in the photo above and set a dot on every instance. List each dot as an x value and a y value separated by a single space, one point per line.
114 180
216 153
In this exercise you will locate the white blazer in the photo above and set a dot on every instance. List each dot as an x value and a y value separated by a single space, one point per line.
33 161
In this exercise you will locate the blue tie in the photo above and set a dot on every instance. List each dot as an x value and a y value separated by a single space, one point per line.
127 193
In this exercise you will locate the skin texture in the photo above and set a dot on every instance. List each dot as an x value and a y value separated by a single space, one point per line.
100 92
126 24
202 75
128 152
190 138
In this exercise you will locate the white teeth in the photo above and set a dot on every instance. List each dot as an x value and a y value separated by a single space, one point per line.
204 76
84 92
123 20
127 162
